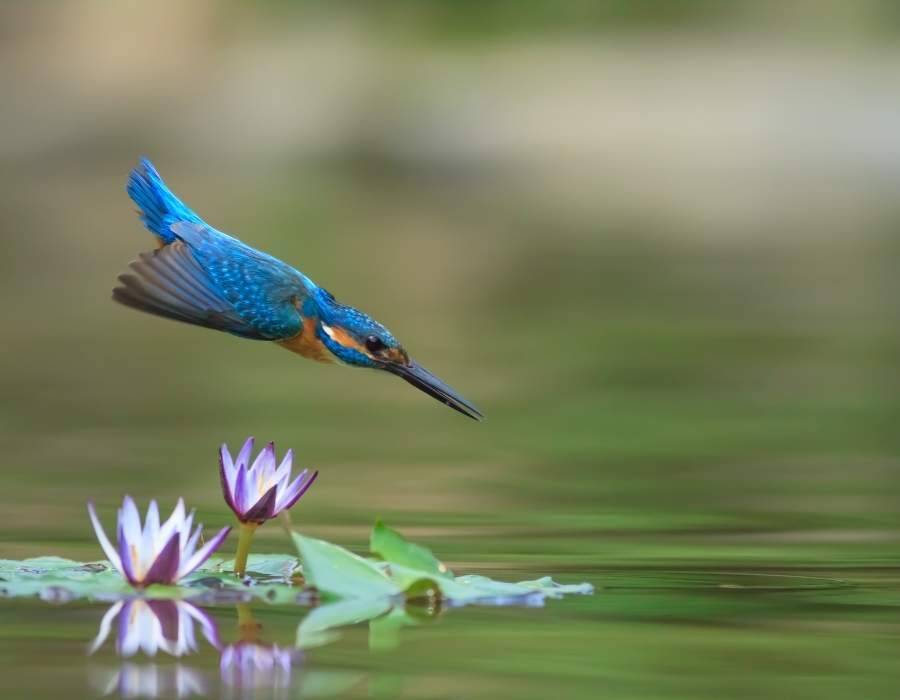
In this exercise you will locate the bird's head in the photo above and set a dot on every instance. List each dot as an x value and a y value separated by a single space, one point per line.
354 338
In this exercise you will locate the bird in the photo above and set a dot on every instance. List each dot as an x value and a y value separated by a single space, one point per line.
204 277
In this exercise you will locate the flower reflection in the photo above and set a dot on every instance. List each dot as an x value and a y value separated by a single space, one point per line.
251 664
156 625
153 681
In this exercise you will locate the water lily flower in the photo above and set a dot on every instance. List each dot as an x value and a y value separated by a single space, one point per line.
156 625
258 492
155 553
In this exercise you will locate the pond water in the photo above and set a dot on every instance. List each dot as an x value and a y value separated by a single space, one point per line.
654 633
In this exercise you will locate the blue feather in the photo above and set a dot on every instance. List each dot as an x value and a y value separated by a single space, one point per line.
159 207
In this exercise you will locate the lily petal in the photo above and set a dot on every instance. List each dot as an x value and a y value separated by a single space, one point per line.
227 475
241 494
283 474
297 489
204 552
130 521
263 509
165 568
265 460
184 532
173 524
188 550
243 457
227 464
105 544
151 524
130 557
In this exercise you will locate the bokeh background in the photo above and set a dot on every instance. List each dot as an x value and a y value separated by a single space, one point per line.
655 242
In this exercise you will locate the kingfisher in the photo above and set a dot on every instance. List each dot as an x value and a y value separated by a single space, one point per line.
204 277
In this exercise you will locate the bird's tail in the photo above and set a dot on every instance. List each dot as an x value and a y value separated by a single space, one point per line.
159 207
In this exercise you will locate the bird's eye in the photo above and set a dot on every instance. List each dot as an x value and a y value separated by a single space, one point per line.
374 344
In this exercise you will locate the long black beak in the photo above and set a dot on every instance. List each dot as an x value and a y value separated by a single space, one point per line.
424 380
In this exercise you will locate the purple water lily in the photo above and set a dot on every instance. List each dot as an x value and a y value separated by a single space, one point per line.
258 492
155 553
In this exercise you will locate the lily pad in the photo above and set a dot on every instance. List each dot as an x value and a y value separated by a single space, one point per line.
391 546
417 572
59 580
334 571
479 589
280 566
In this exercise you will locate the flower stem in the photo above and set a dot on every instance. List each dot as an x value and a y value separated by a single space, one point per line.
243 551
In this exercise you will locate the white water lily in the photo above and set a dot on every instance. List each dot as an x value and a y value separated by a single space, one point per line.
155 553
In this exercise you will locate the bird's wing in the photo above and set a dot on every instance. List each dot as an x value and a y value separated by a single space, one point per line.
263 291
169 282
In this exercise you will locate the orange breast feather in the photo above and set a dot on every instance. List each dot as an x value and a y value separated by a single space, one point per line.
306 343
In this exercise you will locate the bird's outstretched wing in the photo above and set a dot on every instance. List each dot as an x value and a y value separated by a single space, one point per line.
210 279
168 282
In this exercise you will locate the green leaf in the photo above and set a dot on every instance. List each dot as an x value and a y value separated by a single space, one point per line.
391 546
335 571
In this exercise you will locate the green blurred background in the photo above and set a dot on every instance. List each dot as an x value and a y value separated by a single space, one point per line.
655 242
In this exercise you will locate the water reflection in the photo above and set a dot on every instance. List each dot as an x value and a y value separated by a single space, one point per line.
152 680
251 664
156 625
153 626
